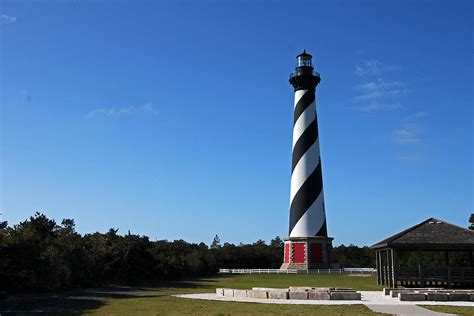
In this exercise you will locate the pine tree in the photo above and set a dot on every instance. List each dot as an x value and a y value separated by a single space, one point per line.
216 243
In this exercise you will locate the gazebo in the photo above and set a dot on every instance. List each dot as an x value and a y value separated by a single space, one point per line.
431 253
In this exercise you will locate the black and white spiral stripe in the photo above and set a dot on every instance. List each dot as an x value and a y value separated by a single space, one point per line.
307 214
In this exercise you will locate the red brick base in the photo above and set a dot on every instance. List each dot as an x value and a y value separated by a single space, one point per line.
307 253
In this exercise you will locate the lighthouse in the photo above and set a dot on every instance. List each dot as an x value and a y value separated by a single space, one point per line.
308 244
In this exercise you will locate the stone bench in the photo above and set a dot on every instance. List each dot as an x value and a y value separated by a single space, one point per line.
229 292
411 296
433 296
449 296
456 297
345 296
386 290
257 294
298 295
292 293
240 293
395 292
319 295
278 295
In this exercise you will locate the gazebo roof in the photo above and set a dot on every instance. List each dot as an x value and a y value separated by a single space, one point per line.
432 234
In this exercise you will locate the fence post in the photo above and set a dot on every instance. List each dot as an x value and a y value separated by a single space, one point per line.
340 271
329 270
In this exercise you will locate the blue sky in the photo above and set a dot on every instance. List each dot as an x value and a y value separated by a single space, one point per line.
174 119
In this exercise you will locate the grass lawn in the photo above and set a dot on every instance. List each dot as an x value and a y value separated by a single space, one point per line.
156 299
357 282
457 310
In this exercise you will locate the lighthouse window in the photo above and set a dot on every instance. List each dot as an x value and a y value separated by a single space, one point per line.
303 62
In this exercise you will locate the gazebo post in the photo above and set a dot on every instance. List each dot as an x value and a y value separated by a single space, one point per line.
448 269
377 266
420 268
382 268
394 268
389 270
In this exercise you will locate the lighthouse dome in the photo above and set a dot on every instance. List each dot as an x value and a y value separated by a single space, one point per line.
304 60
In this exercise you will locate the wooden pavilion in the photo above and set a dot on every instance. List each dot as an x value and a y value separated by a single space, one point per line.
431 253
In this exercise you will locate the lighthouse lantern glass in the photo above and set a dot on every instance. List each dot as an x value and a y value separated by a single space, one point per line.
304 60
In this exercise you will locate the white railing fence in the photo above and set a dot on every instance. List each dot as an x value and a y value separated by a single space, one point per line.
294 271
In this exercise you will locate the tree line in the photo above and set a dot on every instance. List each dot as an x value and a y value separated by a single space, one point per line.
39 254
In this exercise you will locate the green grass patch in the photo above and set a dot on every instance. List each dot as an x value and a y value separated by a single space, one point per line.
181 306
157 299
246 281
457 310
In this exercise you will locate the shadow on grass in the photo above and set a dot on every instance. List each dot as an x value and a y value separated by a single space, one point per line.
79 301
47 305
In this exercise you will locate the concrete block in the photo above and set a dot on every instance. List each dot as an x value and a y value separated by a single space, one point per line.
278 295
411 296
319 295
471 297
298 295
240 293
433 296
220 292
229 292
257 294
345 296
387 290
458 297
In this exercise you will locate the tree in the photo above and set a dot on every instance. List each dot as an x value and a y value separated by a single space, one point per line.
40 255
216 243
471 220
352 256
277 243
3 224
